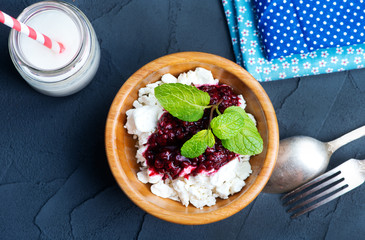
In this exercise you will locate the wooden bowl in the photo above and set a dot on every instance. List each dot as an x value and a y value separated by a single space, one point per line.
121 150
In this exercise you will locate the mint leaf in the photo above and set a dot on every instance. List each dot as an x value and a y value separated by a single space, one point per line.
227 125
196 145
185 102
237 110
248 141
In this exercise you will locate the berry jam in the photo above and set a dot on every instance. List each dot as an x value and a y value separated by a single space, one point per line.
163 152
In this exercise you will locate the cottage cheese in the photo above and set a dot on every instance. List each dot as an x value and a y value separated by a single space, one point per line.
203 189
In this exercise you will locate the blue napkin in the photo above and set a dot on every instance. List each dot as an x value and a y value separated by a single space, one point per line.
300 26
250 51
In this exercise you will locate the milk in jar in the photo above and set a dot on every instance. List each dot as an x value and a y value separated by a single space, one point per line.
51 73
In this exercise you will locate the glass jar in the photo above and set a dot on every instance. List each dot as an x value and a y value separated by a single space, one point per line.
70 74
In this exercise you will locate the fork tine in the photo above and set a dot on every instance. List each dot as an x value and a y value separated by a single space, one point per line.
310 183
315 189
324 201
324 193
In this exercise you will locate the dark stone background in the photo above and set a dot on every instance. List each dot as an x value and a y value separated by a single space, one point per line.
55 182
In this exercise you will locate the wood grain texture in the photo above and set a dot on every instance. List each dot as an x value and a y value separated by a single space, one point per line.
121 150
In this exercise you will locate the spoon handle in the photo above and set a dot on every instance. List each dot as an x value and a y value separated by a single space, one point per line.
345 139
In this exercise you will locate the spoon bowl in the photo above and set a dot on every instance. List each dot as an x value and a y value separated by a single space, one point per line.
300 158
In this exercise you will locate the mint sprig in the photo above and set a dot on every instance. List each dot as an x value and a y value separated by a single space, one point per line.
234 127
196 145
248 141
185 102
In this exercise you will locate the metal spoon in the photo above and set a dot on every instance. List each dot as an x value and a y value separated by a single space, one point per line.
302 158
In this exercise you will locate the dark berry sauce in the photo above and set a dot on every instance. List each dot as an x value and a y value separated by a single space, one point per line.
163 152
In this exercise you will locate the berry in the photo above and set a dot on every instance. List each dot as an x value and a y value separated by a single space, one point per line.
163 152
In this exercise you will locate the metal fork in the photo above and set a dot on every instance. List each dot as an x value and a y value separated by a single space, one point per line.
334 183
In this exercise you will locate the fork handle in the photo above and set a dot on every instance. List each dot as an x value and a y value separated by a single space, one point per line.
345 139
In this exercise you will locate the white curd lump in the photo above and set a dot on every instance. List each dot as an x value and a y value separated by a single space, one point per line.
200 190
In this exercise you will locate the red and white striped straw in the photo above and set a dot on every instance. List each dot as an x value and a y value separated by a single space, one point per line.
30 32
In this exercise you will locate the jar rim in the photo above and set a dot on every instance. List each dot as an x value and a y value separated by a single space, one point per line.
40 7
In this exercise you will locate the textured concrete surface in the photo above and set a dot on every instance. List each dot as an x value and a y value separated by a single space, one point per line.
54 179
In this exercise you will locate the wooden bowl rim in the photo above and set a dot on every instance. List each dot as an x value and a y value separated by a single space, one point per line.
220 213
